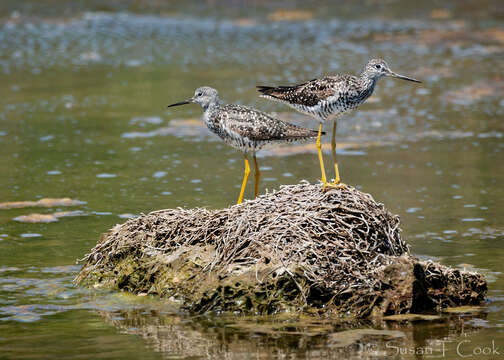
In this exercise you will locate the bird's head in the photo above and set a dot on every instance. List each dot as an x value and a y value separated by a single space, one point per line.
204 96
378 68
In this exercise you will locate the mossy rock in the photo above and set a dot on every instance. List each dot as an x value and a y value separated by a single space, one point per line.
299 249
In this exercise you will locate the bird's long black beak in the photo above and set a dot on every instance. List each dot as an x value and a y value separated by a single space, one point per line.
188 101
393 74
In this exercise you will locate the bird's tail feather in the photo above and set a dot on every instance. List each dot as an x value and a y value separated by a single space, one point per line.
275 91
302 133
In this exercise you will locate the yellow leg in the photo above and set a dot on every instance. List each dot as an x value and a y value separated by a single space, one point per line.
257 175
321 159
245 177
333 150
337 180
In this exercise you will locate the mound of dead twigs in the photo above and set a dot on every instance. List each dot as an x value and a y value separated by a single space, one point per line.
297 249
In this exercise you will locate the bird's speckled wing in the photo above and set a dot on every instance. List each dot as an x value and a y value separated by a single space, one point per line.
313 92
258 126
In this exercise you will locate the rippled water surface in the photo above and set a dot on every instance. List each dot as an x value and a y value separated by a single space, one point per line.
83 116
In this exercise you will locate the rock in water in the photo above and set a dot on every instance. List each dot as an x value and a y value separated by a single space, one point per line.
299 249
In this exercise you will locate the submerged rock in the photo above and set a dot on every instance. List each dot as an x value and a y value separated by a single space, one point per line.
46 202
299 249
47 218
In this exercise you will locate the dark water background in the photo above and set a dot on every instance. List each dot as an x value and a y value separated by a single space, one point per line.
82 115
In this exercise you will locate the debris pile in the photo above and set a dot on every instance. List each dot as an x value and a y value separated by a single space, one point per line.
298 249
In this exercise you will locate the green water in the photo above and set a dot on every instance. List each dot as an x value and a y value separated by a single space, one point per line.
82 115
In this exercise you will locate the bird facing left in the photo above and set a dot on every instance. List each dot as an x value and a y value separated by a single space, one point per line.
244 128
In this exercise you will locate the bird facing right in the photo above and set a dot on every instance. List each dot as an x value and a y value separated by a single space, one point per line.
330 97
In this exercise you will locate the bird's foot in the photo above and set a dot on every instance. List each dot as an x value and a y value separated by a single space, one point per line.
333 185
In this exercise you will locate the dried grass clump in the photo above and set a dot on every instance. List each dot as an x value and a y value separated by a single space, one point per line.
296 249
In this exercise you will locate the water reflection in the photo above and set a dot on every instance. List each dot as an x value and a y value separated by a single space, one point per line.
33 294
294 338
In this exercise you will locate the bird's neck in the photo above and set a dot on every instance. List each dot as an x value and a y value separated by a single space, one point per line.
367 81
210 106
210 112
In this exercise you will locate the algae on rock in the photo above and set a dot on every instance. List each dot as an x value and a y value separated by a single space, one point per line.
299 249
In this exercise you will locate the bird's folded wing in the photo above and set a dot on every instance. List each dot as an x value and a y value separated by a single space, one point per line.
252 124
258 126
309 93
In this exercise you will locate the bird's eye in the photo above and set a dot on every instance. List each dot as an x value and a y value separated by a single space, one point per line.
378 66
199 94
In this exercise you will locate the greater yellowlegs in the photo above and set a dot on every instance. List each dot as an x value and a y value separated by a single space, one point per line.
244 128
330 97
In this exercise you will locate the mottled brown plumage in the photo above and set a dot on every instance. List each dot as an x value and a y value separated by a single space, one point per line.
331 96
244 128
